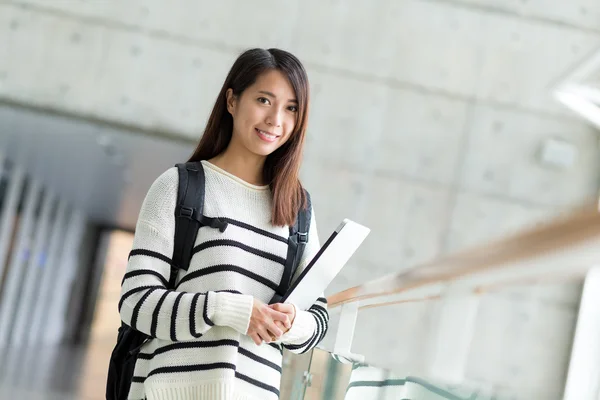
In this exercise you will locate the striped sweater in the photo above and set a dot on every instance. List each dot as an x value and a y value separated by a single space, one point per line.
199 347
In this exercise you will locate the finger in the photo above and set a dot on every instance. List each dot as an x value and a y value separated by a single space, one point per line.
257 340
275 337
287 324
276 307
265 335
272 336
284 319
278 315
283 307
282 326
274 330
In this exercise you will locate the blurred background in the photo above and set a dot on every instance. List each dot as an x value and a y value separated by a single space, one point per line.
440 124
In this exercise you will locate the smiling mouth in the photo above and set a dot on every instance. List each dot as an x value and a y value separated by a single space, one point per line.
266 136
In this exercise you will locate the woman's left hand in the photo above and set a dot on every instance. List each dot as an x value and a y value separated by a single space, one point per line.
285 308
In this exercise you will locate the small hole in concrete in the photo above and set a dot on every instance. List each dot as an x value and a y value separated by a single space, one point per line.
75 37
135 50
488 175
425 161
418 201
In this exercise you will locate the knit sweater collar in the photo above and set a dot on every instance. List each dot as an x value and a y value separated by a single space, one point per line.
238 180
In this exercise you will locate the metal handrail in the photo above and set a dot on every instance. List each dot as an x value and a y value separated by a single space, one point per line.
563 248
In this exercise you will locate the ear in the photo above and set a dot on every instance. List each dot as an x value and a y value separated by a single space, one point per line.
231 100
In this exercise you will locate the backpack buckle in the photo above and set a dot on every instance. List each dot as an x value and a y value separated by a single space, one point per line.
186 212
302 237
216 223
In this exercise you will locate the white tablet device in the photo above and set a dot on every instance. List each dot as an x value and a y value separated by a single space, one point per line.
326 264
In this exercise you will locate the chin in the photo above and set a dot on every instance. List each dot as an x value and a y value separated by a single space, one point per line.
264 151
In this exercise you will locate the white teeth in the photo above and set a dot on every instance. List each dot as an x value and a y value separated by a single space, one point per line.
267 134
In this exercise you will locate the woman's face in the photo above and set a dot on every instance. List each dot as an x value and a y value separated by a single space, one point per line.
264 115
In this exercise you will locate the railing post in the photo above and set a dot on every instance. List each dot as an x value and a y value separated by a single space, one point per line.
452 333
11 293
31 272
56 325
8 211
583 377
48 274
345 332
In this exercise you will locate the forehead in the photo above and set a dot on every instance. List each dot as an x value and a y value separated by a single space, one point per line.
274 81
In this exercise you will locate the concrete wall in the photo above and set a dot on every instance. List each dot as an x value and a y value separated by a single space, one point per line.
426 120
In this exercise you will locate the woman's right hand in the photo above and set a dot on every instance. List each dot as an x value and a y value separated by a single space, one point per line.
263 325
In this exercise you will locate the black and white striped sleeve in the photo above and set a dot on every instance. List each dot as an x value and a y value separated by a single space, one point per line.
146 304
309 328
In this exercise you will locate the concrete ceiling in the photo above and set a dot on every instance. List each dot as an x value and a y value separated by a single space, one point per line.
160 67
103 170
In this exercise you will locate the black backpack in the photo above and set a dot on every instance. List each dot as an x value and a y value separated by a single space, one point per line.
189 218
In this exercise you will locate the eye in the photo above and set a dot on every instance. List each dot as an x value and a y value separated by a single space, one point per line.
293 108
263 100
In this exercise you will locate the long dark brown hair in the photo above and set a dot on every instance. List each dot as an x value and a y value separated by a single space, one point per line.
282 167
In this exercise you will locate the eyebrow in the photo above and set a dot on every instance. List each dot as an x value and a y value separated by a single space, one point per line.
273 96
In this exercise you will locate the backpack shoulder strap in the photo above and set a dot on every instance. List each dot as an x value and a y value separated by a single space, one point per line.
303 228
296 244
189 216
189 208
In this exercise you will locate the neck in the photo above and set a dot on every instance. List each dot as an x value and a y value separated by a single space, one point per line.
248 167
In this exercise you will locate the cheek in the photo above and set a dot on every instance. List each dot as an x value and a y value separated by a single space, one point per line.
241 122
245 112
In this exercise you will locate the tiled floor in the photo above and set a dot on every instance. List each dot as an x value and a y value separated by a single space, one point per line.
42 374
15 393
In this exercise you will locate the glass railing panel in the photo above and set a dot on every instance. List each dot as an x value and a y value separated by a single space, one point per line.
336 378
295 375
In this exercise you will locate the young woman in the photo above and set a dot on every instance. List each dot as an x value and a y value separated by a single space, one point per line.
214 336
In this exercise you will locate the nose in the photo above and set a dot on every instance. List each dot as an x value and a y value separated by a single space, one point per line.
274 118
